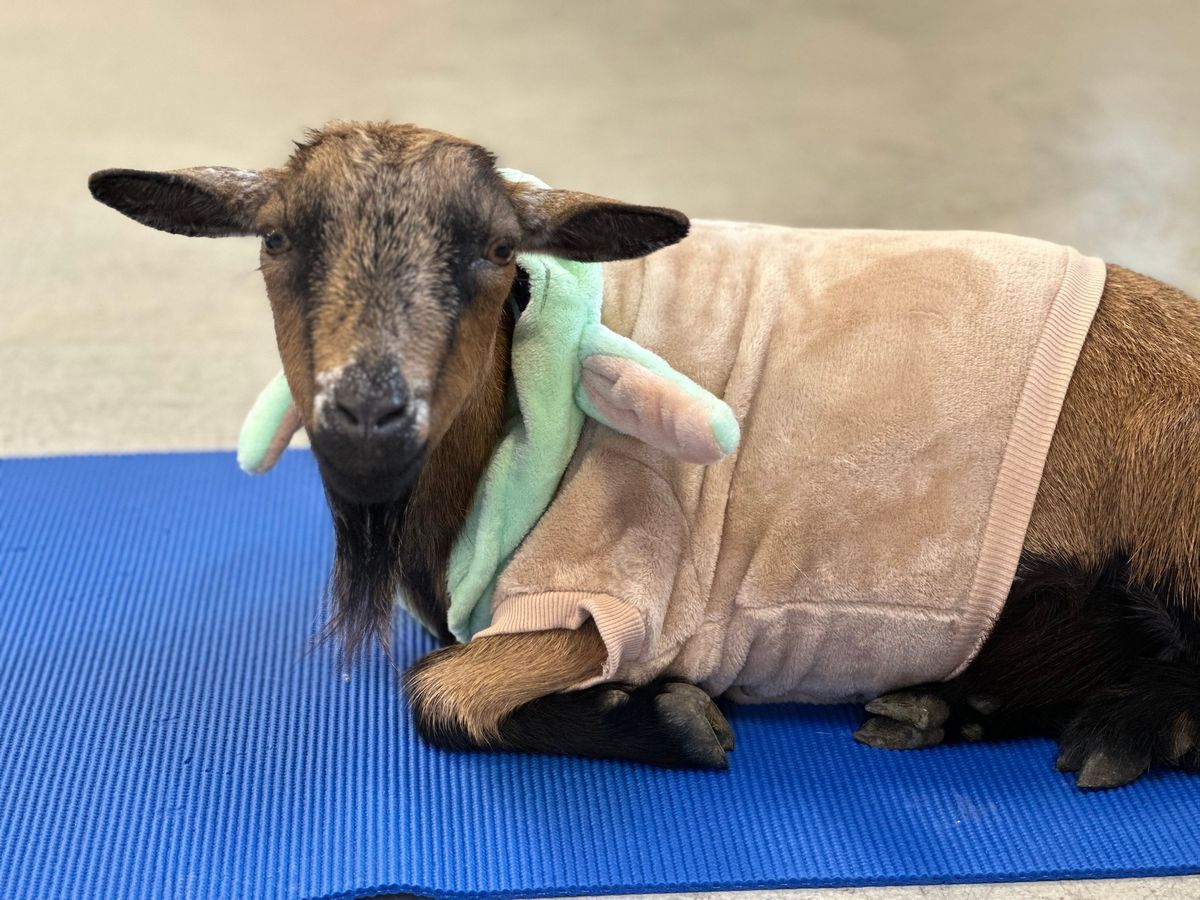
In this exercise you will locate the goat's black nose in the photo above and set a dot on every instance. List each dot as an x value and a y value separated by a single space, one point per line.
368 438
369 415
368 406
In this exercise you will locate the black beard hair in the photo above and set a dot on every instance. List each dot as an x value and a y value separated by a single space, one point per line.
366 574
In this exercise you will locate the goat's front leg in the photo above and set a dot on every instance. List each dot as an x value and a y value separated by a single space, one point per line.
508 692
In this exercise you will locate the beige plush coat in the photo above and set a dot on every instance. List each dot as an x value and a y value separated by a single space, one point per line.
897 393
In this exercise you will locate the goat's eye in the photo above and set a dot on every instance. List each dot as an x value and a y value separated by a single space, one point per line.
500 252
276 242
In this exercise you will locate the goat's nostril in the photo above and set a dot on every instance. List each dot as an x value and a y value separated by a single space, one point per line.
347 414
391 417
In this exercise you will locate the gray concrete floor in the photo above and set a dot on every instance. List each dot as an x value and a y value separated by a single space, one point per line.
1072 121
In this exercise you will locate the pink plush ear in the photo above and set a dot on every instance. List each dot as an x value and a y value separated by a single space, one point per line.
287 428
662 413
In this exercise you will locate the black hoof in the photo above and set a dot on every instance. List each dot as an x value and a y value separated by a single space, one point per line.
927 715
1103 769
1106 750
922 711
1100 767
665 723
715 718
694 732
888 734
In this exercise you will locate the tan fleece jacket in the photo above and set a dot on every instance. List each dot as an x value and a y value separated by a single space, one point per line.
897 393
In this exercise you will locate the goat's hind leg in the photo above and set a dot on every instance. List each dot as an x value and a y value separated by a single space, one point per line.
509 692
1026 680
1109 667
1120 732
1141 705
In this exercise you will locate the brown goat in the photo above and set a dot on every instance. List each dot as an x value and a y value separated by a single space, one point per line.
389 259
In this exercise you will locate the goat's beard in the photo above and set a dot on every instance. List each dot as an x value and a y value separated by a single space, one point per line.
366 573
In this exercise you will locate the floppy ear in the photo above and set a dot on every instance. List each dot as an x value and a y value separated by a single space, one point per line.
208 201
587 228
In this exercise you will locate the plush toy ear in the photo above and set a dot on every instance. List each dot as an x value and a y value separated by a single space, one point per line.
268 428
630 389
587 228
207 201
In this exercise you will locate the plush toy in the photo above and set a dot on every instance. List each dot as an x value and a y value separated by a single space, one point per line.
565 365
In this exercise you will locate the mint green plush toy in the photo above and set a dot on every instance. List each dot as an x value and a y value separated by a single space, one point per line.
565 365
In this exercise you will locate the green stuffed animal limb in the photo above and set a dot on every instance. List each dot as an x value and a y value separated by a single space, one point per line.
269 427
565 365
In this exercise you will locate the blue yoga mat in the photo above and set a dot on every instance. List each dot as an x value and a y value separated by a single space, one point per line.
166 731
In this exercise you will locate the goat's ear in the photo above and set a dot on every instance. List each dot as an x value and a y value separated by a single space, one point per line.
208 201
592 229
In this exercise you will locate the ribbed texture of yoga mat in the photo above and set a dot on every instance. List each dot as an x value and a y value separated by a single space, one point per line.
164 733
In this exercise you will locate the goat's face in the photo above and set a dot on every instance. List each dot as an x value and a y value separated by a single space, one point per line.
388 252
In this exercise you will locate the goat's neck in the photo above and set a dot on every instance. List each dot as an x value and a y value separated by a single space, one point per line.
442 496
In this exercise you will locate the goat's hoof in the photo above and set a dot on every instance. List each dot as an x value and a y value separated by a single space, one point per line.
695 732
888 734
716 718
927 715
1103 768
905 720
663 723
920 710
1097 760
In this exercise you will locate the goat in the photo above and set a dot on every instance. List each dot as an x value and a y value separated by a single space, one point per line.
389 254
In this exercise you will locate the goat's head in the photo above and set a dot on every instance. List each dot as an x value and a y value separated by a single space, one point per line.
388 252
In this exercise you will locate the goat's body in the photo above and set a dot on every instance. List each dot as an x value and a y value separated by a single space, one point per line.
1099 640
897 393
388 255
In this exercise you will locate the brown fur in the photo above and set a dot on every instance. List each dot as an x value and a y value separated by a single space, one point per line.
1120 473
476 686
372 208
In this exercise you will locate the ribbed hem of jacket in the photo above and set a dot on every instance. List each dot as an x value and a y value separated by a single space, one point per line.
1053 363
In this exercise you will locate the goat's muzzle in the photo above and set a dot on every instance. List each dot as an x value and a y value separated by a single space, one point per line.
368 438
